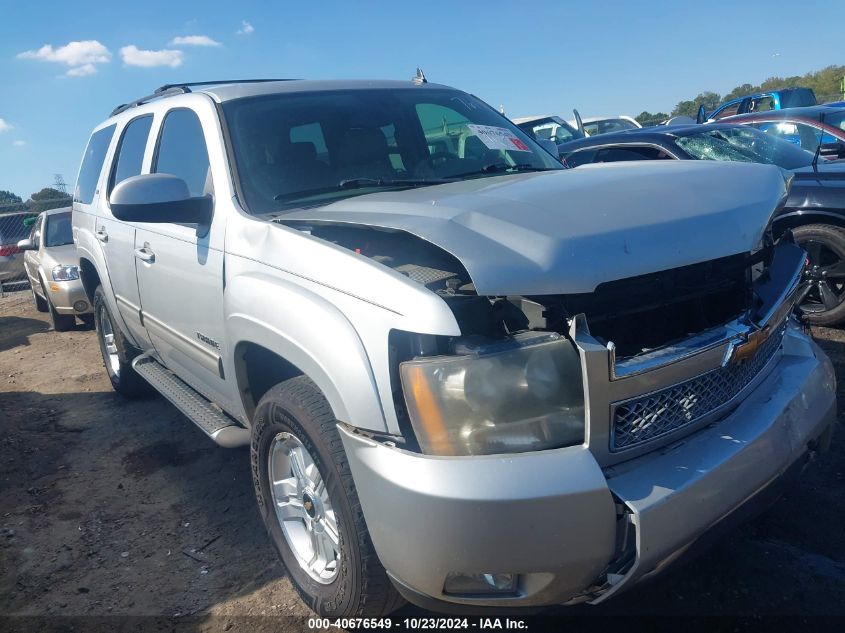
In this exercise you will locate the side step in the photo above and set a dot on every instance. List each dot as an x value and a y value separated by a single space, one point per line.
213 422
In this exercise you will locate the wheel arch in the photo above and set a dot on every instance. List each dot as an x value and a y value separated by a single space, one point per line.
278 330
794 219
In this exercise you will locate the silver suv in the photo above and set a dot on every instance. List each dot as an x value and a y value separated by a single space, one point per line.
466 375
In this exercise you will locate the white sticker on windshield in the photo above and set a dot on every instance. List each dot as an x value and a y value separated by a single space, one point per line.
498 138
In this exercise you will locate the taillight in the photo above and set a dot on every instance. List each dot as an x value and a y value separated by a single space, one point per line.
6 251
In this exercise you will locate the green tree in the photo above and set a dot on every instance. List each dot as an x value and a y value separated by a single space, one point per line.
646 118
7 197
48 198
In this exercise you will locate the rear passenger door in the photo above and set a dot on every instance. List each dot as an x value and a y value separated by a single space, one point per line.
180 266
118 237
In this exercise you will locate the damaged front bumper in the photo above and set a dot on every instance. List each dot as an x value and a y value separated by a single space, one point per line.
573 529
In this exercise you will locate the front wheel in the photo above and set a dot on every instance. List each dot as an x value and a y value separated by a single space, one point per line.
310 507
823 301
60 322
40 304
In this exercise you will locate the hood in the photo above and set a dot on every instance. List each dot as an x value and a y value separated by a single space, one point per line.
65 255
567 231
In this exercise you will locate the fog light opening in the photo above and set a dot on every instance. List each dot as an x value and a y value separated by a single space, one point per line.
459 583
80 306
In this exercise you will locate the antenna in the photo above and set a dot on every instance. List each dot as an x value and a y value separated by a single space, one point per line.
819 146
419 79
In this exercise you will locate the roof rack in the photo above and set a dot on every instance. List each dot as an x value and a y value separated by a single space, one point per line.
168 90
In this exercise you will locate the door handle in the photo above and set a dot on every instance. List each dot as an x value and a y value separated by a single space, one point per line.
145 254
102 235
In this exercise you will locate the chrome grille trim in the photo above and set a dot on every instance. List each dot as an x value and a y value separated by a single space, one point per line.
642 419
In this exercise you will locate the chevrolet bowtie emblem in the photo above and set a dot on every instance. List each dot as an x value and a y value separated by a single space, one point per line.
747 349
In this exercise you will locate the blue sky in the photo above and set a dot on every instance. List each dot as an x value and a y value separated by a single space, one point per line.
603 57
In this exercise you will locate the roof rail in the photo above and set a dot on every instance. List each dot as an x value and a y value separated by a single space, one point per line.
168 90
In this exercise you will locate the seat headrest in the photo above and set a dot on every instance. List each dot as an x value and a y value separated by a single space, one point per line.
288 152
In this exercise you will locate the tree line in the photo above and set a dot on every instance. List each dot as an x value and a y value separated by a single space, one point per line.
826 83
47 198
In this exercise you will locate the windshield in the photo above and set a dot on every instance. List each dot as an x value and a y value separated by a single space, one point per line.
746 145
550 129
58 230
605 126
299 149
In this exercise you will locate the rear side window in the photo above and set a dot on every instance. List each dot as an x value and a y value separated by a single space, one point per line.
130 153
92 165
182 151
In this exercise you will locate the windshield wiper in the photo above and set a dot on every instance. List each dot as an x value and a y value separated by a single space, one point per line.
361 183
496 168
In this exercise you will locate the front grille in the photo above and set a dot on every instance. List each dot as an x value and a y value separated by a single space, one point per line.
653 415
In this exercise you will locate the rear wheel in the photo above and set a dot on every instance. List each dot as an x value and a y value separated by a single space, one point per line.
118 353
823 301
310 507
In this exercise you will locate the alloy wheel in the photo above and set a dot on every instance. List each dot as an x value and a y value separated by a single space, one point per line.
303 508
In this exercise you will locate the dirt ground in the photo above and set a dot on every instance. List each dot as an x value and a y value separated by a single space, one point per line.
118 508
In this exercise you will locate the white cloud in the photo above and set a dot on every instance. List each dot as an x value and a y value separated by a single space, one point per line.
134 56
80 56
193 40
18 143
81 71
4 126
246 28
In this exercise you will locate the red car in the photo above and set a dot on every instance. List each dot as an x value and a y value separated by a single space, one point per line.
805 127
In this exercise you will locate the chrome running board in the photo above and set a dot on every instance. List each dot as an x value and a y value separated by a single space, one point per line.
221 428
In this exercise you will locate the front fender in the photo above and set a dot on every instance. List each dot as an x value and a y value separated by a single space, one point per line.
312 334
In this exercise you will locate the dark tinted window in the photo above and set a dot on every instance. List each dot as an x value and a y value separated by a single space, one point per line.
59 230
182 151
130 154
579 158
92 165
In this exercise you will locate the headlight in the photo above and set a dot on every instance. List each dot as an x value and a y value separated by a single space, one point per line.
524 394
65 273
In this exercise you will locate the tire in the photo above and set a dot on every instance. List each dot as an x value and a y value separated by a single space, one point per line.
824 303
117 352
87 319
40 304
60 322
295 411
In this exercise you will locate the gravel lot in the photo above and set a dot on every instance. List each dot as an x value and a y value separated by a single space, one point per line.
109 507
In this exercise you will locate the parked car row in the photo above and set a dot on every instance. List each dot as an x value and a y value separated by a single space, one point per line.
807 141
469 377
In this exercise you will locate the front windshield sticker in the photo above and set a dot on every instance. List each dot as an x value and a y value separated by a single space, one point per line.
498 138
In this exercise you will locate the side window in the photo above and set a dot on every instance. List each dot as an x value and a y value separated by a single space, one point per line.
443 128
583 157
619 154
92 165
130 152
182 151
728 111
762 104
311 133
35 235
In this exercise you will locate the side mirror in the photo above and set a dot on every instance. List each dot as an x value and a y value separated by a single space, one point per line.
26 245
836 149
702 114
550 146
159 198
